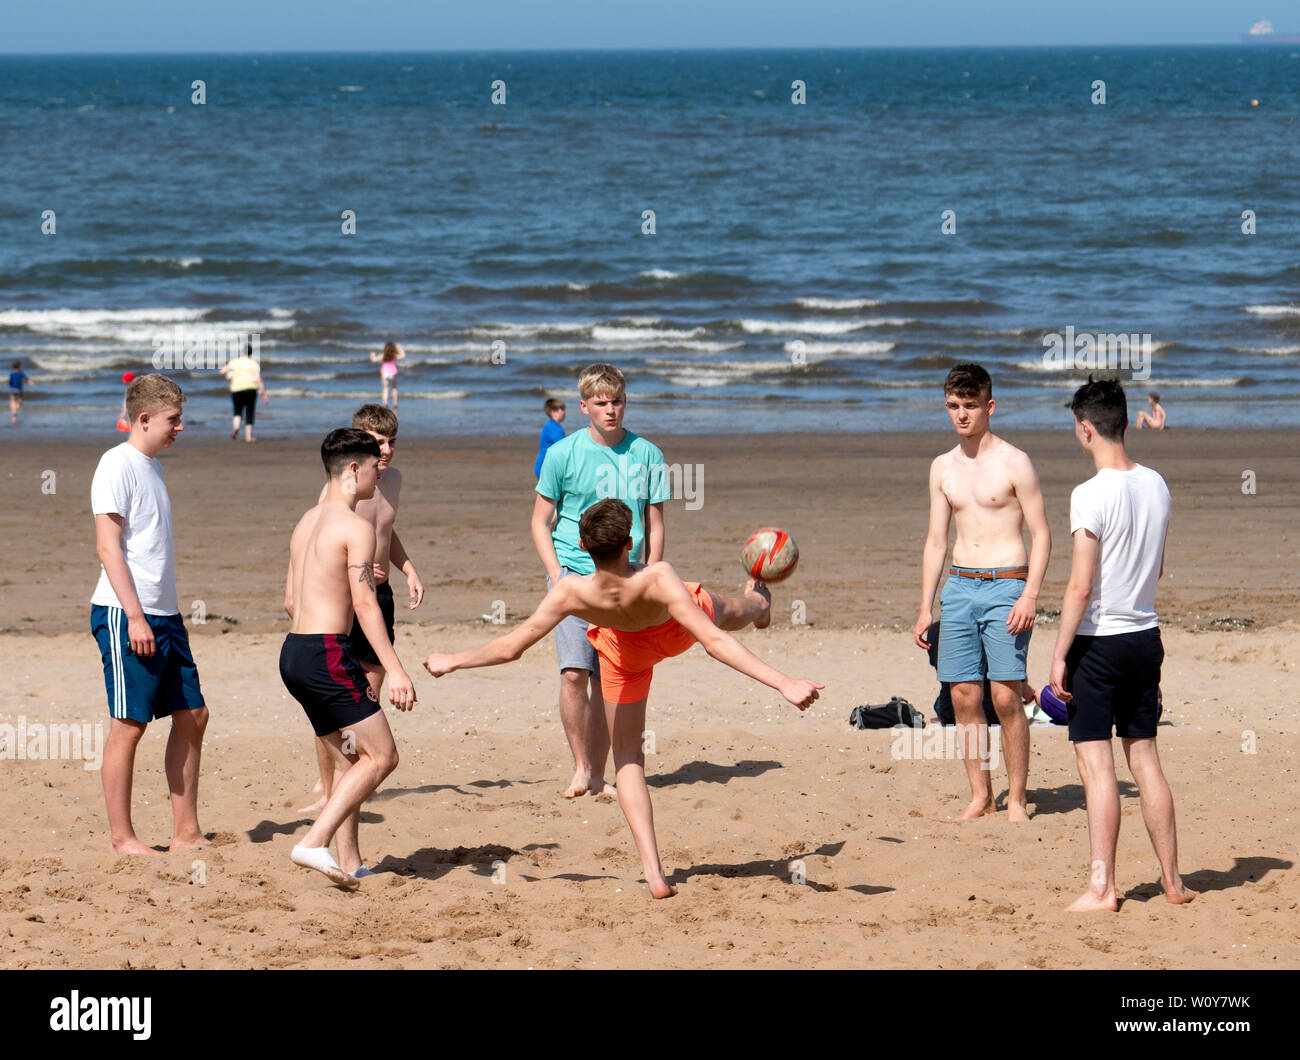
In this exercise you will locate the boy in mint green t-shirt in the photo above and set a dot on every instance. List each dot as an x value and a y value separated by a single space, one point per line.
603 460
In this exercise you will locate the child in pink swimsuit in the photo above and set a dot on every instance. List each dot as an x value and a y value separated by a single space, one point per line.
387 362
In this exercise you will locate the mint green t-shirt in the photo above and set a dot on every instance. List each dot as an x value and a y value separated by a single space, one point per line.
578 472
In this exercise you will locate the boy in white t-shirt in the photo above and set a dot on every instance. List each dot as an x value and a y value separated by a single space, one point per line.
1106 664
135 618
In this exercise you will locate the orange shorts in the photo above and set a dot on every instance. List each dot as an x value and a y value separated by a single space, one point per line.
627 660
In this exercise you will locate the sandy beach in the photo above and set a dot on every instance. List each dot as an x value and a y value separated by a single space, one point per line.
481 863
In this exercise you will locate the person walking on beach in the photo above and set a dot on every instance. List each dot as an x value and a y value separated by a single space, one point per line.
387 361
600 462
135 618
552 432
245 376
1154 416
638 616
17 380
381 511
331 580
1108 653
989 488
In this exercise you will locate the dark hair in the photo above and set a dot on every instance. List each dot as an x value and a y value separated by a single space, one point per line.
344 445
605 527
1102 403
968 381
17 365
1154 397
552 404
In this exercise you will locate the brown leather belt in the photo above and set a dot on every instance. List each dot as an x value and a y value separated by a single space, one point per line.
990 575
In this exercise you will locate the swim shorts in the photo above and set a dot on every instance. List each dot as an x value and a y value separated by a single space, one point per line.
322 673
975 617
141 689
1114 680
361 646
627 660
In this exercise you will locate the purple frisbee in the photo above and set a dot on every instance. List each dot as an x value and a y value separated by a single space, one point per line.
1053 706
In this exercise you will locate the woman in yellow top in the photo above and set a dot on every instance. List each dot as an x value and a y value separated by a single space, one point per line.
245 376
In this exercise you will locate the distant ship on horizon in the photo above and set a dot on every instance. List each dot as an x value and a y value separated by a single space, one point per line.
1262 32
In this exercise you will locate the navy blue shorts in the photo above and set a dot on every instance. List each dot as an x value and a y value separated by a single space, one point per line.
322 673
1115 681
360 644
142 689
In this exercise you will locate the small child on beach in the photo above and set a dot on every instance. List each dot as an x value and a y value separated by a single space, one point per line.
1155 417
17 379
387 362
552 432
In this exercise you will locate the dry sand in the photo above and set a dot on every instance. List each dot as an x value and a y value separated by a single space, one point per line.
482 864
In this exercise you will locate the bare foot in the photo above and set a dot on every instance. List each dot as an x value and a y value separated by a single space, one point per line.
1017 811
600 787
134 846
1180 895
316 806
579 785
1090 903
189 842
977 808
661 889
761 590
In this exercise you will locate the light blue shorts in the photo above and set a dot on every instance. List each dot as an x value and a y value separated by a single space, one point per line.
574 650
975 615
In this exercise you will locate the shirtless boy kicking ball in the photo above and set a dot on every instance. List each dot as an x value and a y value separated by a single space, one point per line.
331 577
636 617
1106 664
135 618
381 512
989 487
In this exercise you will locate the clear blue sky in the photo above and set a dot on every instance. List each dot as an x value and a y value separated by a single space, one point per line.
45 26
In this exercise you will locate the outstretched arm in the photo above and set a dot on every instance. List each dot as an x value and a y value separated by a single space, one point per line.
723 646
554 607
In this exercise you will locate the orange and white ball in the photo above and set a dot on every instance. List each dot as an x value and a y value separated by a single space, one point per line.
769 555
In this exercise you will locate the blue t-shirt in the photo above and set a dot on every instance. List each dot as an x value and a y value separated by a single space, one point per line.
553 432
578 472
16 380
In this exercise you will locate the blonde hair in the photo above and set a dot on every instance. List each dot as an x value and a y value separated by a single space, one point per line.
601 379
150 393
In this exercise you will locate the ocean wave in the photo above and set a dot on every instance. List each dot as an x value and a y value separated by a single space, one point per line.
658 274
362 395
1267 351
45 319
850 349
605 334
183 263
818 327
1274 310
502 329
837 303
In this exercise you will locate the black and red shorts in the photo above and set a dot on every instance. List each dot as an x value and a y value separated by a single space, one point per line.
321 672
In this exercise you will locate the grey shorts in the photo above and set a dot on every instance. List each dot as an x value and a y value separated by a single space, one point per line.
574 650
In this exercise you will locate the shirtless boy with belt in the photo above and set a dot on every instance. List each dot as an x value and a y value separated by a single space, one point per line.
990 489
637 617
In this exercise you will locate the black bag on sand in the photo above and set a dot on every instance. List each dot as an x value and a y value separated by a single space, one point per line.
897 712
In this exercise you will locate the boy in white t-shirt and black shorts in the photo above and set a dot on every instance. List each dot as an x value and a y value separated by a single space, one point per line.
1106 664
135 618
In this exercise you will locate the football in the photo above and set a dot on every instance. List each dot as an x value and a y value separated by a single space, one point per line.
769 555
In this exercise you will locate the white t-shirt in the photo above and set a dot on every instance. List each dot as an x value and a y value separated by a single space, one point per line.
1128 511
130 484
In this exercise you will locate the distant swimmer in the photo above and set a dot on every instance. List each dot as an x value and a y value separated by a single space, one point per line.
637 616
17 380
331 577
1155 418
989 488
1108 654
387 361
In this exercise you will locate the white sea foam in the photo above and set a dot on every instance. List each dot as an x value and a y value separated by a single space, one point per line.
1267 351
847 349
50 319
1274 310
637 336
658 274
818 327
504 329
184 263
362 395
837 303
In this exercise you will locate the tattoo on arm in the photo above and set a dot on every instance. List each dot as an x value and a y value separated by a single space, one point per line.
366 575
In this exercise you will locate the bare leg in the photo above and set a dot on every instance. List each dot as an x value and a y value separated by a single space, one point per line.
325 779
626 722
1158 814
349 848
394 395
737 612
234 427
248 431
1007 700
582 711
972 734
1096 761
117 769
184 750
376 758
